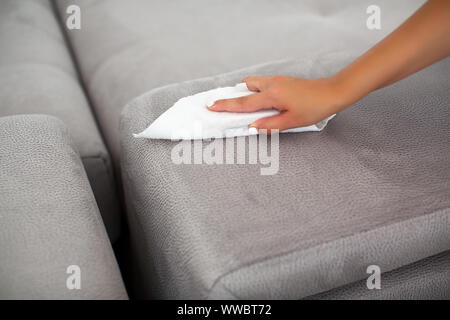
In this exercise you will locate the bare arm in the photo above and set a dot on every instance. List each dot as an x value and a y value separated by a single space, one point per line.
420 41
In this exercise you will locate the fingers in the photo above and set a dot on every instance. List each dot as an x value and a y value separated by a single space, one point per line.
281 122
249 103
257 83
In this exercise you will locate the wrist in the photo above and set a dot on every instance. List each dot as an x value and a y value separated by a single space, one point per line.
342 93
353 83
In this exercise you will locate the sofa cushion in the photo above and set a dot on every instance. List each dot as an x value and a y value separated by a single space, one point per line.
425 279
372 188
125 48
37 76
49 219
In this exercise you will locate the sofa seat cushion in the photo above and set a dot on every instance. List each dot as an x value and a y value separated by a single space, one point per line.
49 220
125 48
37 75
427 279
372 188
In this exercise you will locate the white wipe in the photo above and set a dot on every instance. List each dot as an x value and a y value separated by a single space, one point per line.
189 118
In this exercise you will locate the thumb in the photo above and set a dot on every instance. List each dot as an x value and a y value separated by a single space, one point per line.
281 122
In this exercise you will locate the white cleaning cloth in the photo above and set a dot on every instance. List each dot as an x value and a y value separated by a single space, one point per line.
189 118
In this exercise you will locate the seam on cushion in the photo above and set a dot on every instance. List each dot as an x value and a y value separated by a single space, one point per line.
295 251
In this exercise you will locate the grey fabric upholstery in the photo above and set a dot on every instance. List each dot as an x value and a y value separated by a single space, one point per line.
372 188
49 219
126 48
37 76
426 279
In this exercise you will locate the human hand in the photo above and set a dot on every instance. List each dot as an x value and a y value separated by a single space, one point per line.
301 102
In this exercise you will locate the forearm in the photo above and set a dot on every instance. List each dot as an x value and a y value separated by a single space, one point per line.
420 41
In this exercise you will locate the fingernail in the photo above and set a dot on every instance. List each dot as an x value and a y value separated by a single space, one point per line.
252 130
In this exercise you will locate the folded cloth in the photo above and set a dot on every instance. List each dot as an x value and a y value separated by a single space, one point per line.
189 118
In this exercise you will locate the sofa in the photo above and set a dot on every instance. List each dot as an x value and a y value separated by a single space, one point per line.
50 220
373 188
37 75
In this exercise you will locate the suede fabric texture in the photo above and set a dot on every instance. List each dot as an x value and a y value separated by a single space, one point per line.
37 76
372 188
49 219
423 280
126 48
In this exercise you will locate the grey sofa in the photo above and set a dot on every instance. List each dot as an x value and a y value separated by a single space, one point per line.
37 75
373 188
49 217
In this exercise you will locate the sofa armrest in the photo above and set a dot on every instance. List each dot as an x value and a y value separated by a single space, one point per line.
53 243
